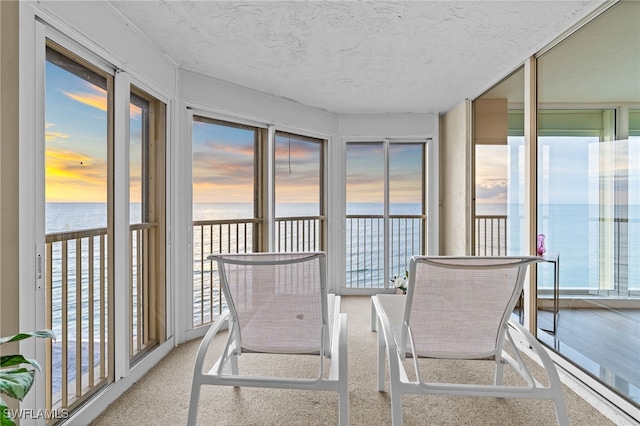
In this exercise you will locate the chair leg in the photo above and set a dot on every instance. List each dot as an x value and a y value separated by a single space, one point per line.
343 407
234 364
193 404
499 376
396 406
382 350
561 411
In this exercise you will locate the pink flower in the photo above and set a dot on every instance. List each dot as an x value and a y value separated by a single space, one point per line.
540 246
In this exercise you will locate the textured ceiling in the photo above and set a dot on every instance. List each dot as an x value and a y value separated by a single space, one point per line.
355 57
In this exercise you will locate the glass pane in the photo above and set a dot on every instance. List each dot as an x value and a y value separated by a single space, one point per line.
634 199
146 215
75 146
138 132
406 192
76 191
570 225
406 178
365 178
499 169
223 170
365 215
224 191
634 215
588 190
298 177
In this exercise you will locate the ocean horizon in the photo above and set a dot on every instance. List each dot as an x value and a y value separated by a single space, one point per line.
572 230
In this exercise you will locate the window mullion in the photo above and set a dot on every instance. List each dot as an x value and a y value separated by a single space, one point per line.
387 231
120 197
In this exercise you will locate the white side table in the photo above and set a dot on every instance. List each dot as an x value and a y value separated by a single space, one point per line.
553 257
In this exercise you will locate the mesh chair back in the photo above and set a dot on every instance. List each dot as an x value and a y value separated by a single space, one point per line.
457 307
277 299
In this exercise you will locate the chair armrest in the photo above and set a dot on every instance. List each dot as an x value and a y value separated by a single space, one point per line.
206 341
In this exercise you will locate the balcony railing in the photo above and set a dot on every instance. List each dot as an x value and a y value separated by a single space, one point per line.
365 250
302 233
216 236
491 235
78 311
143 294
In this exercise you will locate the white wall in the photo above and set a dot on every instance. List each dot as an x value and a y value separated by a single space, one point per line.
104 31
455 169
222 97
388 125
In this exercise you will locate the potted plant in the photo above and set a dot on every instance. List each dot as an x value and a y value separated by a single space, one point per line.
15 381
400 282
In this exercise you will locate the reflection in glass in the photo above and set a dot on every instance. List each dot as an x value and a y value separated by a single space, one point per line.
588 196
499 169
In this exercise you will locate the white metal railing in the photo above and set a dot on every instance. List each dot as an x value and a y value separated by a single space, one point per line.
365 247
78 311
216 236
142 292
491 235
300 233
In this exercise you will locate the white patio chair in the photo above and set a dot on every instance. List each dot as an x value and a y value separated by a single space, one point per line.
459 308
277 304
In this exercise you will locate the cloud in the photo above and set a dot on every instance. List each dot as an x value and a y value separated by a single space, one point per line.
73 176
491 190
135 112
95 97
297 151
53 136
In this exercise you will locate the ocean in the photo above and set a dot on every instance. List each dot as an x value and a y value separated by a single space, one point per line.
576 232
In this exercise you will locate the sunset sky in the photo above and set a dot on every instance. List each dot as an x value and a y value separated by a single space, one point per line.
223 159
75 138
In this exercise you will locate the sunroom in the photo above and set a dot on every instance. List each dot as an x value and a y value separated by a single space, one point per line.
140 137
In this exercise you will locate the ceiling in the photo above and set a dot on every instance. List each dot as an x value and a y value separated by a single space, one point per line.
356 57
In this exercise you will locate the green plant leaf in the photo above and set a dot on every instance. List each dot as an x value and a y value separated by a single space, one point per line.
22 336
5 420
16 382
10 360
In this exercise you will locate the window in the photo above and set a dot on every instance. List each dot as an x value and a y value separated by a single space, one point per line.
147 222
499 169
78 229
227 203
299 196
588 198
386 205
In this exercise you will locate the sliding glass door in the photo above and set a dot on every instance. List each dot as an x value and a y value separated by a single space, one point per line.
589 198
386 210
